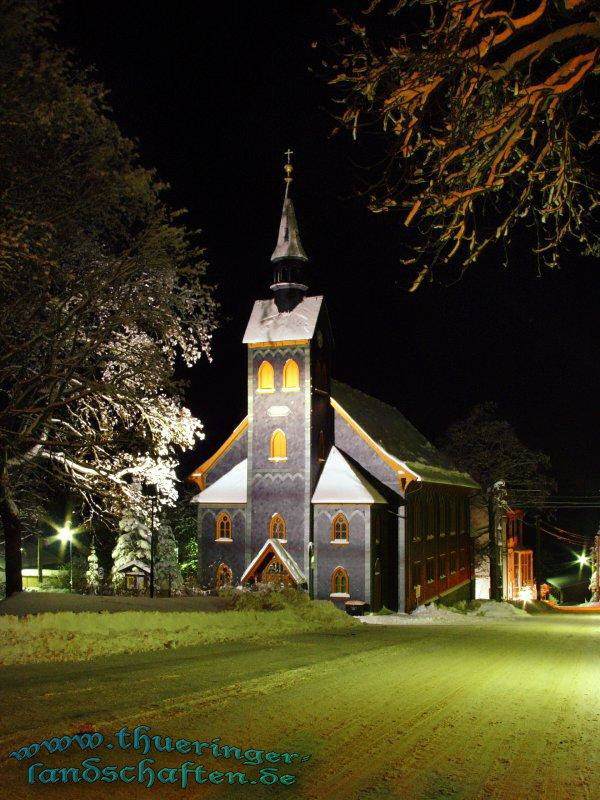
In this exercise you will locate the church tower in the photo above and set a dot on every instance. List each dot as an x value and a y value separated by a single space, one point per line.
290 425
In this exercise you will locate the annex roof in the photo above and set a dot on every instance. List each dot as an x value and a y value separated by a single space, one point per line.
280 551
397 437
569 579
135 562
340 482
229 489
268 324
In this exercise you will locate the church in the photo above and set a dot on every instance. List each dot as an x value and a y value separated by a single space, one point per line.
322 487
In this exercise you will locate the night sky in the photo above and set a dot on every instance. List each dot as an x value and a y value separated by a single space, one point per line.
215 93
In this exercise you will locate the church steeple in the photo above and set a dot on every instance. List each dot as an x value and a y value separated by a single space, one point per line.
289 271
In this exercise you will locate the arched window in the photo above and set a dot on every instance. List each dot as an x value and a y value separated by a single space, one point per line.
223 526
223 576
340 582
277 529
278 450
266 377
339 528
321 446
291 376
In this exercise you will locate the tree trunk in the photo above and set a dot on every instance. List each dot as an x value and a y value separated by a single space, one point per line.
11 524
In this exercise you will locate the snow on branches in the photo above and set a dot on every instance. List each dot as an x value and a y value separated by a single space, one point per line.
102 290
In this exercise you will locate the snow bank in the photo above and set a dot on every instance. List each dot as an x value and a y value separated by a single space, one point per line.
444 615
68 636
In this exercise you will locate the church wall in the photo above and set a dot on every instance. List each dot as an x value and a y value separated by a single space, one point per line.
237 452
321 411
355 556
279 486
348 441
211 552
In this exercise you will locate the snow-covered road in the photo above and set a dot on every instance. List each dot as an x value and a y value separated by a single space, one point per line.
505 710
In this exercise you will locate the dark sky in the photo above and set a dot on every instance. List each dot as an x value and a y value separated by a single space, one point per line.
215 93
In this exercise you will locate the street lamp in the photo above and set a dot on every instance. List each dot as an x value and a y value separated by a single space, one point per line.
65 534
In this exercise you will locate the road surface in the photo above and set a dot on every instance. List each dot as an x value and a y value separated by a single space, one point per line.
497 710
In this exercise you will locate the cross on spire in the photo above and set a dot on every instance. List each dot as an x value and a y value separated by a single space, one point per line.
288 170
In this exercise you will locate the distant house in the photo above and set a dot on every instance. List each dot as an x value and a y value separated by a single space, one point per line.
570 588
518 579
31 577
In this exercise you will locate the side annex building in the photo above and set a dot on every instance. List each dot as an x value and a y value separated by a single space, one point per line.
321 486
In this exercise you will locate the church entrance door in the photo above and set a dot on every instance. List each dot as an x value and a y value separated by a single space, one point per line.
276 573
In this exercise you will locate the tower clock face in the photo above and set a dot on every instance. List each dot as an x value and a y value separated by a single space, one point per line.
320 339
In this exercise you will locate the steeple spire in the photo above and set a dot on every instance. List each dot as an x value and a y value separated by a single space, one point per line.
289 258
288 241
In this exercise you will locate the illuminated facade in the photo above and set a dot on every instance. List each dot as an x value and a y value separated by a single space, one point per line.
321 486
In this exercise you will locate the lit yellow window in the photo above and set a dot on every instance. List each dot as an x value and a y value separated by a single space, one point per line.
339 528
277 528
223 526
266 377
278 446
291 375
340 582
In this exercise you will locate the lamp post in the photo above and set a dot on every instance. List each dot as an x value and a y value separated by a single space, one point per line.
150 490
66 535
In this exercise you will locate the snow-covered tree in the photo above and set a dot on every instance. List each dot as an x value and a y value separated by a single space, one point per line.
101 290
166 560
133 544
92 575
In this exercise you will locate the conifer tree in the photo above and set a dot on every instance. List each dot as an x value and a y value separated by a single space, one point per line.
92 575
133 544
166 565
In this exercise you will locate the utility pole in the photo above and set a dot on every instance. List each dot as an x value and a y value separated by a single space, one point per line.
150 490
538 556
40 566
496 501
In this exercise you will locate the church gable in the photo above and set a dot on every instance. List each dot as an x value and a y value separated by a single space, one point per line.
233 450
341 483
273 564
230 489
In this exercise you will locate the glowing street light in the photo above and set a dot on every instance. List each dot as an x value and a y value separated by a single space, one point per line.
583 560
65 534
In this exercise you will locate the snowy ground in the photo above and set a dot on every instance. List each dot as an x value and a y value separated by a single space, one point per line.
68 636
500 710
439 615
43 602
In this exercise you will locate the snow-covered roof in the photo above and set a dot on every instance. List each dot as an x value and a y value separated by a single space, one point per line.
280 551
398 439
229 489
268 324
134 562
340 482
